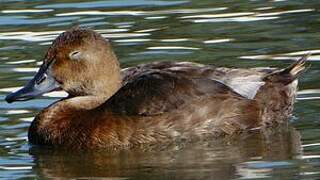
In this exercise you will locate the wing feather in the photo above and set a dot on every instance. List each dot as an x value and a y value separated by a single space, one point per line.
155 92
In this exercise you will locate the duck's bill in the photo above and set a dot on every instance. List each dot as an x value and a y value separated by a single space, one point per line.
42 82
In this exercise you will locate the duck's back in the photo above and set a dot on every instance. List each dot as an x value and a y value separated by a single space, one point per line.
245 82
165 86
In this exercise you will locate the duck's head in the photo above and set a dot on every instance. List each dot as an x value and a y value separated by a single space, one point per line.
79 61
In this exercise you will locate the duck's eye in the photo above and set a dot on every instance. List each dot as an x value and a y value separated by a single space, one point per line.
75 55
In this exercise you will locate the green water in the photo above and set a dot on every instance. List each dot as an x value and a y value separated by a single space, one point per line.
225 33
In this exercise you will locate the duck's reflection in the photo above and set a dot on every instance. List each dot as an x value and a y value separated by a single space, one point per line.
222 159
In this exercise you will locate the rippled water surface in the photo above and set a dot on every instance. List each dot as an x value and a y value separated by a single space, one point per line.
239 33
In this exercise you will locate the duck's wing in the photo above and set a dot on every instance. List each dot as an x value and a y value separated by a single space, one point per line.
245 82
186 69
156 91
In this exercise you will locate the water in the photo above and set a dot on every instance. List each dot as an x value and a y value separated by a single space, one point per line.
227 33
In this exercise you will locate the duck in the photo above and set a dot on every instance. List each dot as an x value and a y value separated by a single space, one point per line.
149 104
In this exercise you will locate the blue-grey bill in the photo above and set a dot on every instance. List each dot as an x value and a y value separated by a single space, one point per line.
42 82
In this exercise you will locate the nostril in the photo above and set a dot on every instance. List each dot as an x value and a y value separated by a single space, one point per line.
41 79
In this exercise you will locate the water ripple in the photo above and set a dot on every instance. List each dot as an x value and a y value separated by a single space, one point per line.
310 157
27 119
25 69
156 17
175 40
172 48
27 61
108 13
224 15
315 55
141 13
112 3
17 111
30 36
215 41
132 40
50 35
24 20
284 12
241 16
311 145
236 19
15 167
26 11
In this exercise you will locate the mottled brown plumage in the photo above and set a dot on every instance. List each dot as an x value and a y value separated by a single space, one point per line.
150 104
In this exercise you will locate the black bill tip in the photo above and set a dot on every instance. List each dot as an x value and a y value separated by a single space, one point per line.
9 98
19 95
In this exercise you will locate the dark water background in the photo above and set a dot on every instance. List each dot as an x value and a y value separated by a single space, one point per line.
238 33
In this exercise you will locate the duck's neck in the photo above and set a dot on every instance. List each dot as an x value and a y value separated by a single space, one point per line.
104 82
105 87
95 98
107 81
83 102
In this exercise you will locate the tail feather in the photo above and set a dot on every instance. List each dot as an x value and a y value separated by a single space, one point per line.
289 74
297 68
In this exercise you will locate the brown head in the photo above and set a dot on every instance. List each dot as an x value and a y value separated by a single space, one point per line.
81 62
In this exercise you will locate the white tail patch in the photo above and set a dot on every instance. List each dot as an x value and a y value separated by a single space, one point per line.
246 86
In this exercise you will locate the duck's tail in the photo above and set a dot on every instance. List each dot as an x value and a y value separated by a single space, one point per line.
289 74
